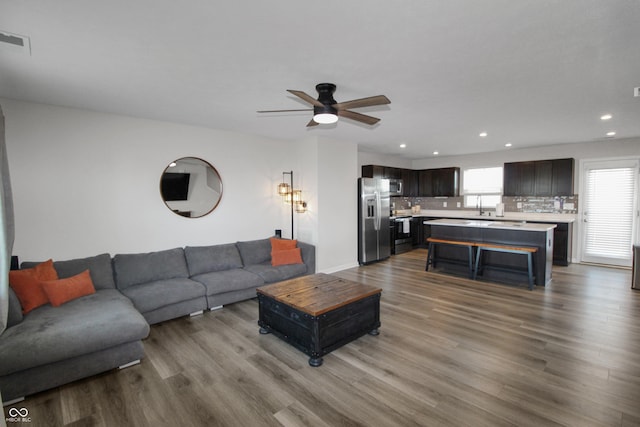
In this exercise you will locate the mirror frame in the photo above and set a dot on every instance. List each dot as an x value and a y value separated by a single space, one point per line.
208 166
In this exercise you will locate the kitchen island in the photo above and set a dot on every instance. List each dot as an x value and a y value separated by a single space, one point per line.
498 266
562 234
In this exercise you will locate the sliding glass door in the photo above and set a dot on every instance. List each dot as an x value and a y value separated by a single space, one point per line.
610 211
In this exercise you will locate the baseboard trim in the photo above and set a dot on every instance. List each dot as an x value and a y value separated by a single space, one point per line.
338 268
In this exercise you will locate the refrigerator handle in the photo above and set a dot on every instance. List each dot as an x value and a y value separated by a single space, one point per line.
378 218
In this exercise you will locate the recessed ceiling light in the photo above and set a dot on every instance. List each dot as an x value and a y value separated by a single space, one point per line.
403 145
435 153
612 133
483 134
172 164
606 117
508 144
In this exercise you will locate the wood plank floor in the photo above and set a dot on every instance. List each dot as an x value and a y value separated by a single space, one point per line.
451 352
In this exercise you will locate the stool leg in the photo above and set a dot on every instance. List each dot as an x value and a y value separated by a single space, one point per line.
530 269
429 256
471 270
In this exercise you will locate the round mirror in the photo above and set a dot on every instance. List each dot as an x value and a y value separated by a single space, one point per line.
191 187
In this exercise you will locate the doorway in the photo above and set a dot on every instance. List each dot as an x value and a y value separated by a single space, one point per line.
609 211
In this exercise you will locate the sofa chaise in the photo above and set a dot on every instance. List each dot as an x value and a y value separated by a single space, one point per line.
51 346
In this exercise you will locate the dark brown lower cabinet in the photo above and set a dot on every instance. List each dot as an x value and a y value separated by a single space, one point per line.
562 242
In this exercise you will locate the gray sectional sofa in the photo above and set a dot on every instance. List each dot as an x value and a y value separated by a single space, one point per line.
51 346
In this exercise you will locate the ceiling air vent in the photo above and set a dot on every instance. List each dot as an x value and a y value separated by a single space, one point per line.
14 43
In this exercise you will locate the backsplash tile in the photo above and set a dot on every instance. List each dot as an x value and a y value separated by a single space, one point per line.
554 205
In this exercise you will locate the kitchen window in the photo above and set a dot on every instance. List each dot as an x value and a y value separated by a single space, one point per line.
482 185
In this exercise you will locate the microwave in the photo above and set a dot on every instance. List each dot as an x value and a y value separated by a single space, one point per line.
395 187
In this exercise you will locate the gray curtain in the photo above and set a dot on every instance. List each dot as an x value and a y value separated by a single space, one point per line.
6 227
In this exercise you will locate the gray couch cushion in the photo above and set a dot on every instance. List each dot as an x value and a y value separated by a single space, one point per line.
85 325
205 259
153 295
99 266
15 309
134 269
271 274
228 280
255 251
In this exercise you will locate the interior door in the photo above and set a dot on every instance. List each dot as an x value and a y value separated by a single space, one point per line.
610 211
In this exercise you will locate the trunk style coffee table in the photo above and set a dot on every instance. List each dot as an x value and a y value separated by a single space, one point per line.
318 313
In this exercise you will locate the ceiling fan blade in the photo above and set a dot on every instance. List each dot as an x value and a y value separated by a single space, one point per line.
358 117
363 102
312 123
305 97
283 111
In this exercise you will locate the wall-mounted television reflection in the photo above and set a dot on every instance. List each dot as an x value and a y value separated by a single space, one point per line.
175 186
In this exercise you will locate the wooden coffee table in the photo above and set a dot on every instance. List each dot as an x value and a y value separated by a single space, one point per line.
319 313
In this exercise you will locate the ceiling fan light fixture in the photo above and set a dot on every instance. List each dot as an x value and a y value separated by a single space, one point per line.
325 118
325 114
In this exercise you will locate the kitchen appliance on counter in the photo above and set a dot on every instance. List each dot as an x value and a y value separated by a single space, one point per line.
403 241
374 240
396 187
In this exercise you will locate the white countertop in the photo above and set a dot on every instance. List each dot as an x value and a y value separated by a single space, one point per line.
501 225
508 216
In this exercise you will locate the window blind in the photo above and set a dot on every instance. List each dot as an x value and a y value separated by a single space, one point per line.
609 213
482 181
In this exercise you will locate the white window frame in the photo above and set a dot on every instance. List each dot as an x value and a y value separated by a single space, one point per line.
489 196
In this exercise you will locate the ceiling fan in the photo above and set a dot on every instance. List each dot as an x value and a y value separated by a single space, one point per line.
326 110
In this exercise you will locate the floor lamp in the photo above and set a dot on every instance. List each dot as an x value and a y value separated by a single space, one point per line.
291 196
286 190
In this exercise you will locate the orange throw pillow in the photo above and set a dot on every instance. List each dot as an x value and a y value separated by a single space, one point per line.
26 284
45 271
65 290
285 257
282 244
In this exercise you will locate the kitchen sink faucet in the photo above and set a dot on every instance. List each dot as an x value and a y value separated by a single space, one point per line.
479 205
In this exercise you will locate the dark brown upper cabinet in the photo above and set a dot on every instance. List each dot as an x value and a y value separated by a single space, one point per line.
443 182
375 171
539 178
543 178
562 177
410 182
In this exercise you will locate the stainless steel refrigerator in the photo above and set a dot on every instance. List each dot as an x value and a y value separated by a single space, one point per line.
374 238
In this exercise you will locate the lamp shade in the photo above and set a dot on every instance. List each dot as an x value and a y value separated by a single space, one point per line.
301 206
284 189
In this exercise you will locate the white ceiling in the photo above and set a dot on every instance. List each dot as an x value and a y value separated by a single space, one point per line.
528 72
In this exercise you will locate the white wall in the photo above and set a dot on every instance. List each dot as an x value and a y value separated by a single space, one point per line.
85 183
338 197
330 183
365 158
